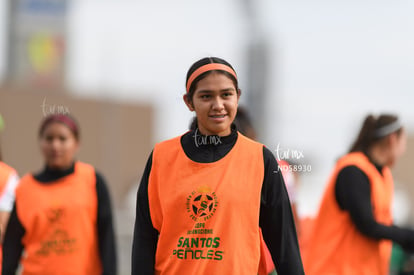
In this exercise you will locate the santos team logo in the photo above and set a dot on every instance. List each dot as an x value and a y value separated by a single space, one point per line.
201 204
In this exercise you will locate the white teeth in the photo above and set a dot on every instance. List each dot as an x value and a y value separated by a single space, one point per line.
220 116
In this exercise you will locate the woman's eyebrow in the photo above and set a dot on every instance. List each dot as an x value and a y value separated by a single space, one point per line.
228 90
204 91
211 91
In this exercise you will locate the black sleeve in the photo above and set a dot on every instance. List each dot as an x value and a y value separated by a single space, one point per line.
276 220
145 240
12 245
106 236
353 194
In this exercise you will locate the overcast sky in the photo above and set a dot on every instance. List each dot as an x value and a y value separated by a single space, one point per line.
331 62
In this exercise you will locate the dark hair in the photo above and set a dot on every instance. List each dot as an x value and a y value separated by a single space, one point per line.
205 61
368 134
67 120
243 123
193 123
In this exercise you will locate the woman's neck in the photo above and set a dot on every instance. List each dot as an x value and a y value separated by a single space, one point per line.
201 139
59 168
205 132
51 174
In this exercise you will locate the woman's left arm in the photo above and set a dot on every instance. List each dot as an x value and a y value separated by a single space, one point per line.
276 220
106 236
13 245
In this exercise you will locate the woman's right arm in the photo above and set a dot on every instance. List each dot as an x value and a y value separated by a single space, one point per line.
353 194
7 201
145 240
12 245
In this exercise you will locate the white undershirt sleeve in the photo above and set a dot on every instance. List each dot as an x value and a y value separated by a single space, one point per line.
7 197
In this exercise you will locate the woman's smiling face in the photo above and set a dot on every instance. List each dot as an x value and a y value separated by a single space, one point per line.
215 102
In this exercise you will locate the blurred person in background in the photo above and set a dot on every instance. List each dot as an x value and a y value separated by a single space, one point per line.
244 125
8 182
62 216
205 195
353 230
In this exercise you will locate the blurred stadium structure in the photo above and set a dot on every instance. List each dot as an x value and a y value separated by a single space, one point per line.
309 72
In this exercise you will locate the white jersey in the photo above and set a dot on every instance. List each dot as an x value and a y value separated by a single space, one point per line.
8 195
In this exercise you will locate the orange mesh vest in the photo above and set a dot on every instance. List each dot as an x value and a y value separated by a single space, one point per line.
207 214
336 246
59 219
5 173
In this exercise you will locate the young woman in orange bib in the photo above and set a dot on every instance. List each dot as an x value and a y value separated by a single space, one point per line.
62 216
205 195
353 231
